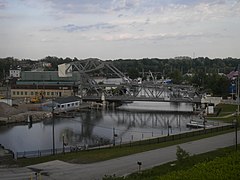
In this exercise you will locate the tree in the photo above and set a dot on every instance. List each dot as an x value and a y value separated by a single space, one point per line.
181 154
176 77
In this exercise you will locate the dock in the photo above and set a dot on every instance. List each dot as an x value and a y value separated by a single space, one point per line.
197 124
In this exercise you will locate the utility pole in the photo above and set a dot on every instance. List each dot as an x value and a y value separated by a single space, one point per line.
236 125
53 133
63 144
113 136
168 126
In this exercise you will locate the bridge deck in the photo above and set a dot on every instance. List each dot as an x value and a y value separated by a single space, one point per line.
130 98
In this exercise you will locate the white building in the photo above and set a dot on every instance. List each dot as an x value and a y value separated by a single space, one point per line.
14 73
67 104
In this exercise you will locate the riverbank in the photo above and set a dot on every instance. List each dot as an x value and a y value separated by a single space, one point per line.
34 116
6 156
21 113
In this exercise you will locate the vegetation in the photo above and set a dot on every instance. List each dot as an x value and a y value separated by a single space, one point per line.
219 164
201 72
220 168
110 153
225 113
181 154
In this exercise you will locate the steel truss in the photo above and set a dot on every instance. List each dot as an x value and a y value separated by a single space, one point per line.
131 90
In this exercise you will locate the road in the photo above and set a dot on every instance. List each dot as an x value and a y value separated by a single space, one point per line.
119 166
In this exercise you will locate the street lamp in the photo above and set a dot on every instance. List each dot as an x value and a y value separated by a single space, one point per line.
235 124
53 134
203 116
169 126
64 144
114 136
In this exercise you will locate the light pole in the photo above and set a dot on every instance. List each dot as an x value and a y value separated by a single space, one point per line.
169 126
114 136
204 122
53 134
236 124
63 144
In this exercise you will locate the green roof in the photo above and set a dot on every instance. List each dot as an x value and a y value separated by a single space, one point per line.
47 76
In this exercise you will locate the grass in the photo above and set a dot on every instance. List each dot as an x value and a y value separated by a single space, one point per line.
176 166
96 155
226 114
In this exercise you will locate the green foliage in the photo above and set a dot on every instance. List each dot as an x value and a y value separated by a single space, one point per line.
164 170
176 77
181 154
204 70
112 177
220 168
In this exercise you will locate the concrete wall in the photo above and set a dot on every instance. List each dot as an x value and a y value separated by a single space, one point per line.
7 101
210 99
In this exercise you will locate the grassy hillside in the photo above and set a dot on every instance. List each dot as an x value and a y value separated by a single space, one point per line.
220 164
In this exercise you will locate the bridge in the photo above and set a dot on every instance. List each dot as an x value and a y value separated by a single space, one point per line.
127 89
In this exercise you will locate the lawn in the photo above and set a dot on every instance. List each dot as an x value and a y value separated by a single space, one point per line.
227 113
102 154
220 164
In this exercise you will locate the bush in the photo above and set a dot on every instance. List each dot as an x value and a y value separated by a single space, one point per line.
181 154
224 168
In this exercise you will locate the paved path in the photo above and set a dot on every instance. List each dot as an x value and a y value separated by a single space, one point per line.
119 166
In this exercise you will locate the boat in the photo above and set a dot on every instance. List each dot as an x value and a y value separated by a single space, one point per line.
197 124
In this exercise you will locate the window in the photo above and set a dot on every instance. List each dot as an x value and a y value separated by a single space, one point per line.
68 105
72 104
52 93
48 93
21 93
62 106
36 93
26 93
31 93
17 93
58 106
13 92
76 103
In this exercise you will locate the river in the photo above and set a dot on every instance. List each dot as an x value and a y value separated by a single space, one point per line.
93 128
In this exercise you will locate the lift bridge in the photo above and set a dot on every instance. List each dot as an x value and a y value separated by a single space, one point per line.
128 89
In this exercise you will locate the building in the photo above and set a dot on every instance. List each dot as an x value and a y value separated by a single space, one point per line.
14 73
44 84
67 104
42 91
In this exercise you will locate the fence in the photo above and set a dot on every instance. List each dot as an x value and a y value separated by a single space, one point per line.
39 153
182 135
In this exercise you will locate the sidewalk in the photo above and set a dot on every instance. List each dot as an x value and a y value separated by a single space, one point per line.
119 166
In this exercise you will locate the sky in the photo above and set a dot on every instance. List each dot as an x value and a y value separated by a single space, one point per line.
114 29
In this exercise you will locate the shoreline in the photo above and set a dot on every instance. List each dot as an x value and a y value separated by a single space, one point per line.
35 116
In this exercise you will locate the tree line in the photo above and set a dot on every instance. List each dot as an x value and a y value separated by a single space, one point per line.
202 72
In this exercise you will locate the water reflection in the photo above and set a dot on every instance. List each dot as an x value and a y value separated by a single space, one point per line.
93 128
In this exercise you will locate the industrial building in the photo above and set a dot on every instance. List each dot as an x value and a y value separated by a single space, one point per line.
44 84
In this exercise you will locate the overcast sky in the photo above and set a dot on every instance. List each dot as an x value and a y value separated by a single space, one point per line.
113 29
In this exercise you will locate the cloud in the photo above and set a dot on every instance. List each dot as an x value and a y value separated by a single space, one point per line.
99 26
118 5
80 6
155 37
3 4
